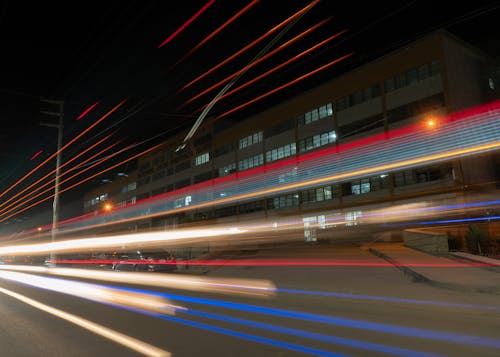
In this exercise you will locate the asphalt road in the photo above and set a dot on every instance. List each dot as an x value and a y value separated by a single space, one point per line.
325 311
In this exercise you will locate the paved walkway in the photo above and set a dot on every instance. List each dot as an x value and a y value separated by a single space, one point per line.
446 272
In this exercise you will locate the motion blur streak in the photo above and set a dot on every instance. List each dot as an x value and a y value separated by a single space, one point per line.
272 263
116 241
388 299
274 69
115 336
86 179
22 203
277 89
253 338
38 188
339 321
313 335
249 287
253 43
184 25
97 293
86 111
219 29
36 155
256 62
115 108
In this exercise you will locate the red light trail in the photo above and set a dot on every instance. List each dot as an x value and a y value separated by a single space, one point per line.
86 111
183 26
36 155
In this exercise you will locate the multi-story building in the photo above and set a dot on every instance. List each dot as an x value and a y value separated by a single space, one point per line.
434 76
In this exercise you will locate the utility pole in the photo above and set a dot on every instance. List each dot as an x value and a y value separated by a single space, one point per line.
55 204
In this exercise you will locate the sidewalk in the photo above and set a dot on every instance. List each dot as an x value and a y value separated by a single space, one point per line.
449 273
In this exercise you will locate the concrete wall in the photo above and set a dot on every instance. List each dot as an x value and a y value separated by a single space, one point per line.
433 243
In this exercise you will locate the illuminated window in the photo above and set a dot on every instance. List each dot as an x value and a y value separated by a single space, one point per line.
201 159
250 140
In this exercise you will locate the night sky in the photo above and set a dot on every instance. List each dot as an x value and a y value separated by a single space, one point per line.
83 52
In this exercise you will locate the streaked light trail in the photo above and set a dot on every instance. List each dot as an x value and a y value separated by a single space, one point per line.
115 336
186 24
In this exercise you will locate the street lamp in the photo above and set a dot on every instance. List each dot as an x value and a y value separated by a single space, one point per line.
55 205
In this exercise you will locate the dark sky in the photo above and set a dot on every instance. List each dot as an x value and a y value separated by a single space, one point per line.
83 52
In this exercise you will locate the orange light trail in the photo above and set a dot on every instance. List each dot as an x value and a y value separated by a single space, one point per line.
115 336
256 62
251 44
86 111
26 200
183 26
284 86
47 175
219 29
286 63
64 147
82 181
299 185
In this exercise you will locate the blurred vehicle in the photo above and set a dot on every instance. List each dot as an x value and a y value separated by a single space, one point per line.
146 261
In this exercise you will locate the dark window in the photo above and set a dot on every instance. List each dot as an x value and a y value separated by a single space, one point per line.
361 125
225 212
158 175
415 108
182 183
224 149
202 177
279 128
250 207
203 140
144 181
143 196
158 191
183 166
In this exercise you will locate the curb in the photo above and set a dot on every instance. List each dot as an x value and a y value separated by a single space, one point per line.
419 278
416 277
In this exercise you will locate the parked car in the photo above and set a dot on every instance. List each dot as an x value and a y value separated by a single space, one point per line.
157 261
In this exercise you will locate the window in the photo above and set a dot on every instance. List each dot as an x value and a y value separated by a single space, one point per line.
224 149
202 159
183 166
318 140
202 177
415 108
279 128
158 175
281 152
182 183
320 194
250 207
360 186
351 218
362 125
316 114
250 162
412 76
289 200
250 140
227 170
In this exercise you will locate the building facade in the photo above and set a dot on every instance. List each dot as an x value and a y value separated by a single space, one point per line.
432 77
